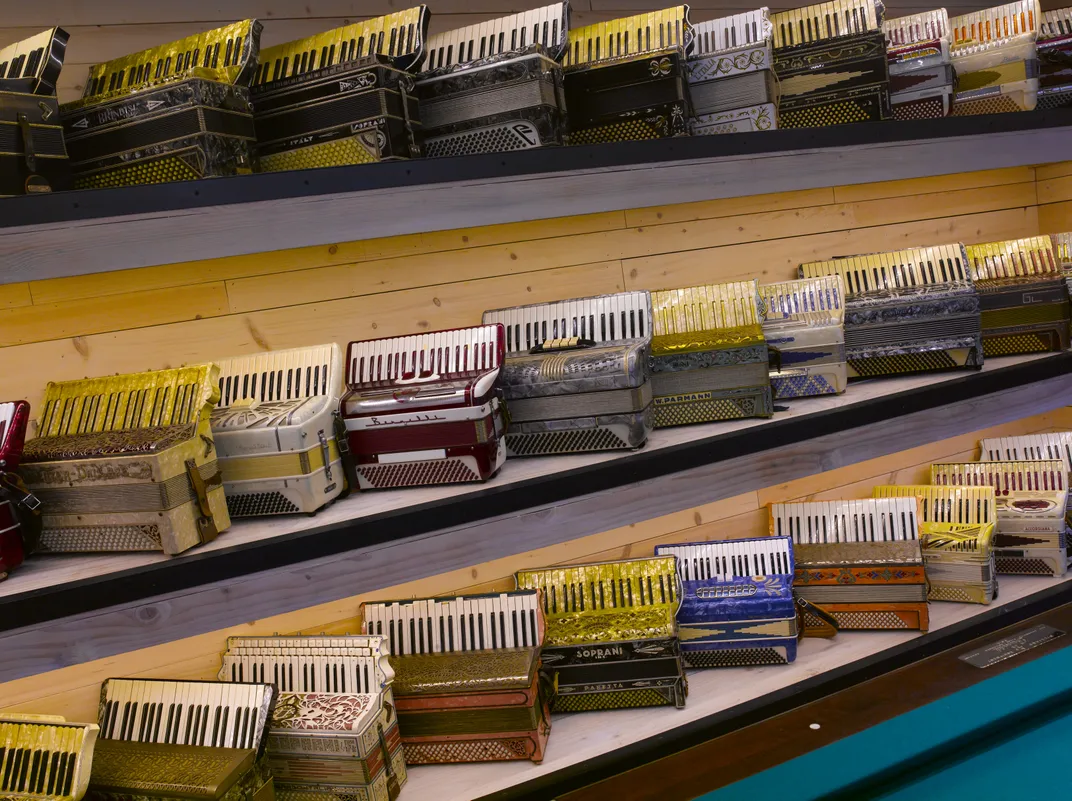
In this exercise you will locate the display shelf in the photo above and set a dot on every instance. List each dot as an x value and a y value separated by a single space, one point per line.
75 233
62 610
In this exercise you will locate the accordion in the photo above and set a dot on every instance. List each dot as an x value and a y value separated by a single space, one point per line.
340 97
731 81
33 156
333 733
626 79
274 427
1031 506
1023 295
708 356
994 54
830 60
44 758
176 112
496 86
1055 59
1062 251
163 739
1032 448
860 560
467 676
425 409
127 463
907 311
804 325
611 640
577 376
956 533
922 79
20 515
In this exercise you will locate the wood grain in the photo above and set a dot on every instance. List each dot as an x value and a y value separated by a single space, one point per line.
1055 218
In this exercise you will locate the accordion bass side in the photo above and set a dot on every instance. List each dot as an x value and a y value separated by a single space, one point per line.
922 79
1055 59
127 463
994 54
20 516
60 752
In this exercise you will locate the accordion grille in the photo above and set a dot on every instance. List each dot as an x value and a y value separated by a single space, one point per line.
729 33
442 354
946 504
926 26
1032 447
828 522
280 375
1056 24
705 308
1014 258
1004 477
812 301
630 36
994 27
826 21
899 269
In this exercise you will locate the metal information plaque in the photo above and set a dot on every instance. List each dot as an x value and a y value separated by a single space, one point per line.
1012 645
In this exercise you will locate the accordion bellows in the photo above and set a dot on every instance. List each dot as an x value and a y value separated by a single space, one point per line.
15 504
63 750
1055 59
994 55
922 78
128 463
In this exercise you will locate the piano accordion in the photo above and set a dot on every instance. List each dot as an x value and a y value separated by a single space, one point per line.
830 60
860 560
737 605
127 463
274 428
1032 448
731 80
496 86
612 638
577 376
956 533
426 409
804 325
340 97
177 112
467 676
162 739
994 54
44 758
1062 251
333 733
922 79
708 356
907 311
625 79
1023 295
33 156
1031 499
1055 59
20 515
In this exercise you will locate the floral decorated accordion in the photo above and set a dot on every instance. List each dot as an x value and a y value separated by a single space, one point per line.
175 112
274 428
44 758
625 79
860 560
163 739
496 86
1032 500
577 375
731 83
830 60
425 409
1055 59
804 325
612 639
333 733
956 532
1023 295
467 676
907 311
708 356
922 79
33 157
994 54
20 515
344 96
127 463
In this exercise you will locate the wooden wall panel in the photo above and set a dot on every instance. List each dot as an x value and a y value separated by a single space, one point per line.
1055 197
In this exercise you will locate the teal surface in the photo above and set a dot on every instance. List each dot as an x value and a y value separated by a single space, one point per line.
934 729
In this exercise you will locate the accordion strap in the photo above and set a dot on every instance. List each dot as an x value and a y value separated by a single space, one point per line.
349 469
206 523
27 509
814 621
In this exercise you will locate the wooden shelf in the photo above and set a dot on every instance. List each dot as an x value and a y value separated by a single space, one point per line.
76 233
57 611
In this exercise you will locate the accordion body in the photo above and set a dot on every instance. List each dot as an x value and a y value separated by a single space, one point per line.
127 463
1055 59
737 605
467 676
1032 448
922 79
33 156
163 115
20 518
611 640
709 359
577 376
996 60
860 560
804 325
1023 294
425 409
58 753
274 428
907 311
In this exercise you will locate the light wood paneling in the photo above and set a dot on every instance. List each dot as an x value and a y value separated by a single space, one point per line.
1047 171
1054 190
943 183
14 295
1055 218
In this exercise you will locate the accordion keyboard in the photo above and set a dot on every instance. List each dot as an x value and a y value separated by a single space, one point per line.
1004 477
825 21
1015 258
602 319
605 587
7 421
724 561
810 301
279 375
1056 24
308 664
901 269
1062 249
425 357
730 33
947 504
915 29
547 26
826 522
32 64
630 36
994 27
1032 447
44 758
705 308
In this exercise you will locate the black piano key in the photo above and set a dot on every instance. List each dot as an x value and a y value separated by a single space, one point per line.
5 779
216 734
472 632
34 771
23 769
55 771
202 738
189 727
534 636
68 774
502 627
513 621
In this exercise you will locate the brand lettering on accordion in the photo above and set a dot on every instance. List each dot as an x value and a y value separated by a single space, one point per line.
922 79
995 57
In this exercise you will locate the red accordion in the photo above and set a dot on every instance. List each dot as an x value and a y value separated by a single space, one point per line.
426 409
20 521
